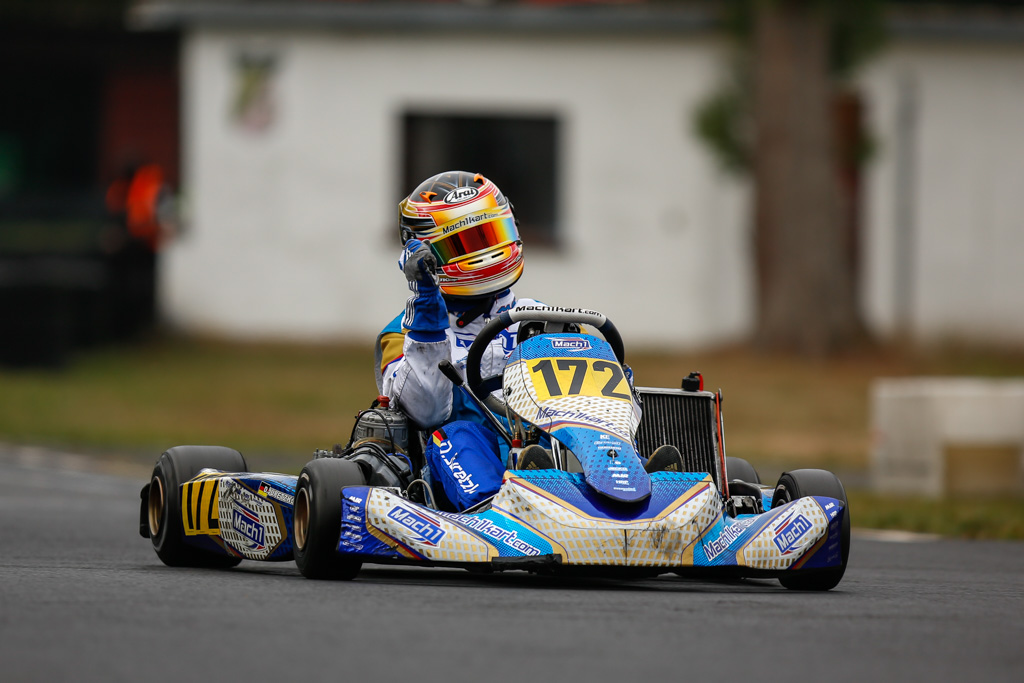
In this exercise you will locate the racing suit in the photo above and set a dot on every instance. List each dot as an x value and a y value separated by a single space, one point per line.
464 460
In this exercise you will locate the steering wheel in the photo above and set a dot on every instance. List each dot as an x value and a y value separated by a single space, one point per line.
483 386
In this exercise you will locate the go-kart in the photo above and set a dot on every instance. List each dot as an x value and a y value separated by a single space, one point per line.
597 511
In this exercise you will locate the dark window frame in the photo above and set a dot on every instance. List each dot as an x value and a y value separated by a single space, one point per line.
520 152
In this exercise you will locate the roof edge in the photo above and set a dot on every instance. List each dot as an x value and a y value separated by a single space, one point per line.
646 18
398 17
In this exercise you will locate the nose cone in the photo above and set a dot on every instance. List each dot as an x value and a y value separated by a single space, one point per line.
621 482
610 465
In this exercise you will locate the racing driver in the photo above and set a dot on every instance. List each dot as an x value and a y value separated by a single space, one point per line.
462 254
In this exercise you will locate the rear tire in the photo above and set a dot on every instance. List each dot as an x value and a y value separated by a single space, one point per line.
317 525
175 467
803 483
738 468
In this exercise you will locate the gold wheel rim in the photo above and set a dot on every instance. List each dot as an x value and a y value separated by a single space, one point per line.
156 506
301 518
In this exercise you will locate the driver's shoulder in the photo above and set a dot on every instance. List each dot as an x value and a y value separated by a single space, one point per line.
395 326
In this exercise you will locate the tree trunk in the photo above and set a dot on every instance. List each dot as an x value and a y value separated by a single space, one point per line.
807 295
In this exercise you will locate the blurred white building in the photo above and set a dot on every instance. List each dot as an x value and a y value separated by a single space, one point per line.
943 226
303 126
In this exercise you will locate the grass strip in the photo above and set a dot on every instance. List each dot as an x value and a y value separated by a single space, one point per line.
276 403
977 518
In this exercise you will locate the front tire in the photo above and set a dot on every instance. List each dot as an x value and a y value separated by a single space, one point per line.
803 483
175 467
317 525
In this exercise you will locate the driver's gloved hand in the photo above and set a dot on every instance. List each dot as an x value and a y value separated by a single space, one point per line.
628 371
426 316
419 265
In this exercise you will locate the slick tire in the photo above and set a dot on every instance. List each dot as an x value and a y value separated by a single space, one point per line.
317 525
803 483
175 467
738 468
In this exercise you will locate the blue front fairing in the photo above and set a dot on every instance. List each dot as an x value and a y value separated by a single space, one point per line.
556 518
610 465
572 387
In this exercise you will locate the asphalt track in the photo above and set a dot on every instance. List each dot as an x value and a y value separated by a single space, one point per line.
83 597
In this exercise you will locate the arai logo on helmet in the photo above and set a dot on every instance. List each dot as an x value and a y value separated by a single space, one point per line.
460 194
571 344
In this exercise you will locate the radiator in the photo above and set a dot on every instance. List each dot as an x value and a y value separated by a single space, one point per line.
686 420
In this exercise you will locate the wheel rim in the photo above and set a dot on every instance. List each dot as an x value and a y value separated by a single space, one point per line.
782 495
301 518
156 506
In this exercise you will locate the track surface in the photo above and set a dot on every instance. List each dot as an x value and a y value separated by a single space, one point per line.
83 597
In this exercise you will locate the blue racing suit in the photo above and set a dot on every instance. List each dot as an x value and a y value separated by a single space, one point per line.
464 461
463 456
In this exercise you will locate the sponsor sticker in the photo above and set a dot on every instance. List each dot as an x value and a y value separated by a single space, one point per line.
248 524
789 533
424 530
560 309
574 416
488 528
730 533
268 491
241 495
571 344
464 478
465 222
461 194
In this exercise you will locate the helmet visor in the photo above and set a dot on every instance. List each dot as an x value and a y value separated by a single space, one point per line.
495 232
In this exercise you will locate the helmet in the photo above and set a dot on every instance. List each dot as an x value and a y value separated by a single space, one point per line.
470 228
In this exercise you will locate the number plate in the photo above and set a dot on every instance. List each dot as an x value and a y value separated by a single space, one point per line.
555 382
557 377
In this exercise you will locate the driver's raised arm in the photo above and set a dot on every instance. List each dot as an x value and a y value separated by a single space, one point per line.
411 378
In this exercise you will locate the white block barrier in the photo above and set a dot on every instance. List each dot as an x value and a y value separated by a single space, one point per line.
939 436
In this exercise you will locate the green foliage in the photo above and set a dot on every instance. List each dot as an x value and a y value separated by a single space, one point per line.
858 32
857 29
723 120
719 121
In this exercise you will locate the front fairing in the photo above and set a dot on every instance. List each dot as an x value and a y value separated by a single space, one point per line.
572 387
555 518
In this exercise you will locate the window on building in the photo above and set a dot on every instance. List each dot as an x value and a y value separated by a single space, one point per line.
519 153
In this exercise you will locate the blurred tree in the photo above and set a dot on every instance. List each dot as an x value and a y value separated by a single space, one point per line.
785 118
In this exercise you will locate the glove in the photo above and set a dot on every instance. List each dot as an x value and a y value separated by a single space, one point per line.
638 402
628 372
426 316
419 265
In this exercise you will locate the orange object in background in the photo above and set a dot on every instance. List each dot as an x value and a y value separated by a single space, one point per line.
137 199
